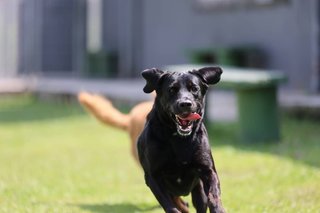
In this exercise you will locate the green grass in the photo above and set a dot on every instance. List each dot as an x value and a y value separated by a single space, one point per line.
56 158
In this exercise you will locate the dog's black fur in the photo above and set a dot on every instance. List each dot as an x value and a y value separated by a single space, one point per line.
176 158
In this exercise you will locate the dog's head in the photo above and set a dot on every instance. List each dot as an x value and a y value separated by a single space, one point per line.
180 95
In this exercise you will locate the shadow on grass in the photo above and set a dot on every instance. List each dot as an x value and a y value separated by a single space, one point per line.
121 208
27 108
300 140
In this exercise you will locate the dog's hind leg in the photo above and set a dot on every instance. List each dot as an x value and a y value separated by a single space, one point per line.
181 205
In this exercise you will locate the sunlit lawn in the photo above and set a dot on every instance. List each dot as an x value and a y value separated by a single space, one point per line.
56 158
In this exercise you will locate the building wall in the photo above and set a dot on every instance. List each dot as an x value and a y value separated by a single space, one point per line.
172 28
152 33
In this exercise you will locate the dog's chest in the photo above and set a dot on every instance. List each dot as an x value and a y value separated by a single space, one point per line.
180 172
183 151
179 177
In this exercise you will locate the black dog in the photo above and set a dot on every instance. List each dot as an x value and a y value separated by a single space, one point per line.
173 148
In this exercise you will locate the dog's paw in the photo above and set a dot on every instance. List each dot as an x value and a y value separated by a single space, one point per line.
173 210
215 205
217 209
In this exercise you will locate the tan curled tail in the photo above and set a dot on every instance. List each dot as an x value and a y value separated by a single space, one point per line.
103 110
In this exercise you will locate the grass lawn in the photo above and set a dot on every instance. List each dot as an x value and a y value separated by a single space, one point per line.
56 158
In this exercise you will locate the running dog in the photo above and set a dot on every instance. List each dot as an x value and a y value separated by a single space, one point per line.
173 148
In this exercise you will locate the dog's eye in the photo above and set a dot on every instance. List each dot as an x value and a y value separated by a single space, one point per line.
194 88
173 90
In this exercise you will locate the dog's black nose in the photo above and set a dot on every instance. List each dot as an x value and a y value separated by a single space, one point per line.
184 105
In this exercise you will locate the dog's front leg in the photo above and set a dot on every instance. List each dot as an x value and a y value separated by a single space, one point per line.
161 195
211 186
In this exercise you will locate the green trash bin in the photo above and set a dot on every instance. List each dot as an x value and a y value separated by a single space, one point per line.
258 114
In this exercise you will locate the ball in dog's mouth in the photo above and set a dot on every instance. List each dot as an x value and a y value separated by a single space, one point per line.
185 123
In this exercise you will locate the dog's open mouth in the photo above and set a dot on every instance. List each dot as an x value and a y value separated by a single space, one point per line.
185 123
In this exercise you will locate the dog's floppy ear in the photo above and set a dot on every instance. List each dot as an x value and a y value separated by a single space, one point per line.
152 77
210 75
